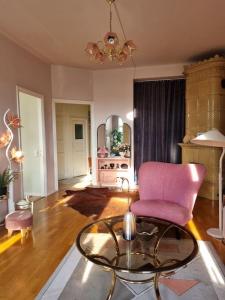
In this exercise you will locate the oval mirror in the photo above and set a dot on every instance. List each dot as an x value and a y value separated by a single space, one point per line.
115 136
101 136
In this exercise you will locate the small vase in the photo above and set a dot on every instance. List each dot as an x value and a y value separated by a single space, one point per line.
122 154
129 226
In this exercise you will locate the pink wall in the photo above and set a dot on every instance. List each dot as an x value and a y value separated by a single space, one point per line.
18 67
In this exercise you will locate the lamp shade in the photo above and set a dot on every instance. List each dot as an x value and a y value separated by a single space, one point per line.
211 138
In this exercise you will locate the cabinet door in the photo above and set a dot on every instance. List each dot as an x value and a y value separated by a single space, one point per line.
108 177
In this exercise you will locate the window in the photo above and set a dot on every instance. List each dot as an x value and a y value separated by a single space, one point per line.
78 131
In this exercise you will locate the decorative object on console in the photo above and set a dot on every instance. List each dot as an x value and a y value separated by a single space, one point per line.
103 152
12 154
124 150
109 168
110 47
214 138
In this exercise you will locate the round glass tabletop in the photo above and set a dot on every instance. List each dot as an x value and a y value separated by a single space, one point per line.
158 246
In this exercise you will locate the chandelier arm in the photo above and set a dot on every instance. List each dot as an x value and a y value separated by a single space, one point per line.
110 17
121 25
134 64
124 34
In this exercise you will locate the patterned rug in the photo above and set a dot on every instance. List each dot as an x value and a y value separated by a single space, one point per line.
100 202
76 279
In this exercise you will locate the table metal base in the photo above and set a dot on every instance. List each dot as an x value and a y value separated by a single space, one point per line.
115 276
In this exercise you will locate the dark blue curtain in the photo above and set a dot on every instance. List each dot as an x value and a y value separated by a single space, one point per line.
159 123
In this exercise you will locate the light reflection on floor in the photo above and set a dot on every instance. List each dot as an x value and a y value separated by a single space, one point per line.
9 242
192 227
211 265
78 182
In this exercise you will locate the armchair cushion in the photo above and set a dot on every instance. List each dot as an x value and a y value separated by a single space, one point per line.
162 209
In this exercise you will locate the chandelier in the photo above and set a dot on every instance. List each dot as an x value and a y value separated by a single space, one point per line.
110 46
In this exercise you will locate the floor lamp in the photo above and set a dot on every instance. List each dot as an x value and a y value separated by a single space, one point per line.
214 138
11 122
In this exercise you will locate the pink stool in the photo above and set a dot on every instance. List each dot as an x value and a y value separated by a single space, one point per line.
19 220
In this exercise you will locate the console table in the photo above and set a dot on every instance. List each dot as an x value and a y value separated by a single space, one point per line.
109 168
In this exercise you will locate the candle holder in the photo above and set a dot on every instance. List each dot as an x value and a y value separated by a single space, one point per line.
129 226
129 220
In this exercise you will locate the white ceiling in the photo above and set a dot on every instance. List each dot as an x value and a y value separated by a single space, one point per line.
165 31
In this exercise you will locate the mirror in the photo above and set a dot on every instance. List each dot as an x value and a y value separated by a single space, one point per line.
115 136
101 136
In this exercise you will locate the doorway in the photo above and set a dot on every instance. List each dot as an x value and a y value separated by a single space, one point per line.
79 147
32 142
73 141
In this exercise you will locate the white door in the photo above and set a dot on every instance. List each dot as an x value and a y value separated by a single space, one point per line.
32 144
79 137
60 147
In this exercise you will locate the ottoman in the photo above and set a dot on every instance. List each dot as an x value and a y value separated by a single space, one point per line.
19 220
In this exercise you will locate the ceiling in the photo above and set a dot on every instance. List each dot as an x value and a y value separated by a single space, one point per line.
165 31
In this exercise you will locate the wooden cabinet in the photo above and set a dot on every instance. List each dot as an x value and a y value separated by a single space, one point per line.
110 168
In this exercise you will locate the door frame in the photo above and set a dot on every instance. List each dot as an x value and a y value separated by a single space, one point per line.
93 141
86 136
31 93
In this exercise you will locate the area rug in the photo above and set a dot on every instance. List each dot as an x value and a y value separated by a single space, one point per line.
77 279
96 202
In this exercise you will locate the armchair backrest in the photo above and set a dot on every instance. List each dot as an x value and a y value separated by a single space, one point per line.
177 183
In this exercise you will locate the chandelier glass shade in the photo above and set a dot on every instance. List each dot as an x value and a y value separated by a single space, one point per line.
110 46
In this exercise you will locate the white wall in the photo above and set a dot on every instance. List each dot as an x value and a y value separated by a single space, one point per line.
110 90
71 83
113 91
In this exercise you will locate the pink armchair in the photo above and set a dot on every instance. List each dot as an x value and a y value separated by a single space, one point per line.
168 191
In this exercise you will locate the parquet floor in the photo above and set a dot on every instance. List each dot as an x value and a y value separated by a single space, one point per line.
25 267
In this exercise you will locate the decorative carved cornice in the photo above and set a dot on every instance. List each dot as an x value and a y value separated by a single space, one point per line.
216 61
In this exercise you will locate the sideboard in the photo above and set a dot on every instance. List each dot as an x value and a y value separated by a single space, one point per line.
110 168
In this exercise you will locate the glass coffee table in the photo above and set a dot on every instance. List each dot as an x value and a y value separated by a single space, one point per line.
159 248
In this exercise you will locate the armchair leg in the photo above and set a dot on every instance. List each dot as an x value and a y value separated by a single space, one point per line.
10 232
23 232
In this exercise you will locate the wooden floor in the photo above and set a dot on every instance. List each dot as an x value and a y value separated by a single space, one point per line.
25 267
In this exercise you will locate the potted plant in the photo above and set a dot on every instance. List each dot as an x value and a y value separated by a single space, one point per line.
6 177
116 140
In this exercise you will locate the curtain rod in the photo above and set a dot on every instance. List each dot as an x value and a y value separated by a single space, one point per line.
160 78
